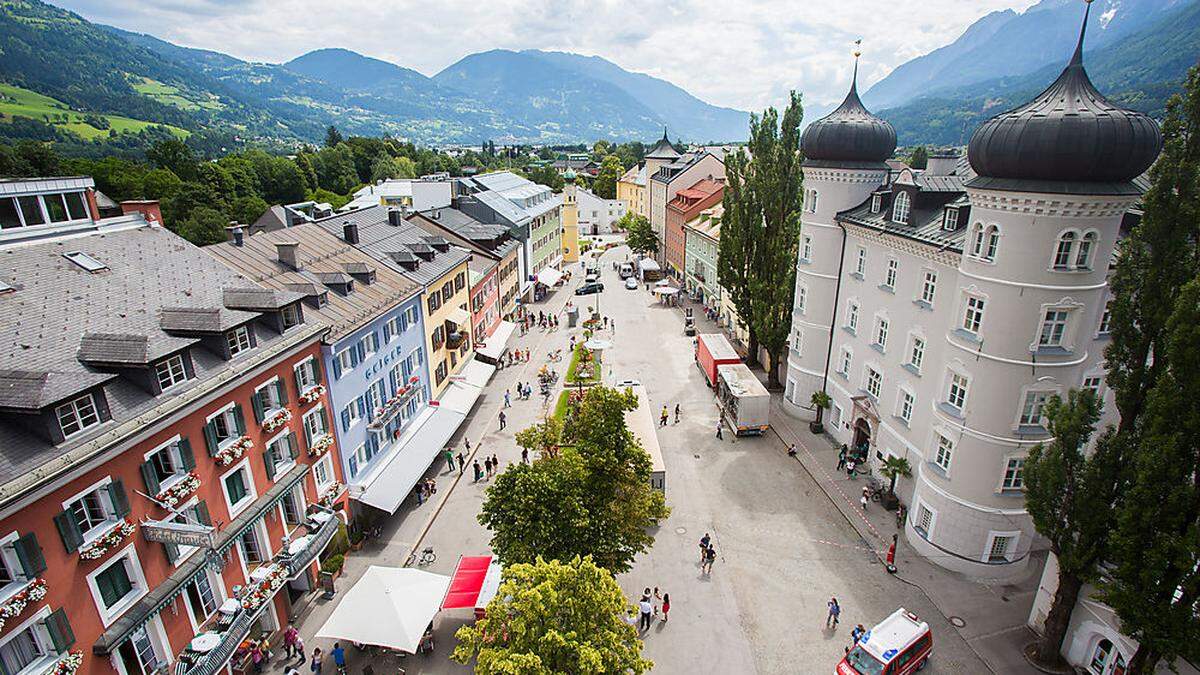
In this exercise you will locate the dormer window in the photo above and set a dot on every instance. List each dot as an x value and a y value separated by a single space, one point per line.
291 316
77 415
876 202
900 209
238 340
950 219
170 372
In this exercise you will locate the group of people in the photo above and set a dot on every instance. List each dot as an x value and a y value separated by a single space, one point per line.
515 356
542 320
491 467
662 419
834 615
426 489
524 391
650 605
849 460
708 554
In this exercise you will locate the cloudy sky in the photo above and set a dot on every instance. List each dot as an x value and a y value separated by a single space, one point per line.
745 54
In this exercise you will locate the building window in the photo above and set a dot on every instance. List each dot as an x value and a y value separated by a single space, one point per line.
434 302
77 415
810 201
1054 325
1033 408
92 513
806 247
835 415
1014 474
924 521
874 382
315 424
889 277
117 585
238 340
929 287
239 488
167 464
917 354
876 202
973 317
170 372
999 551
993 244
306 375
1092 383
1083 256
844 365
22 649
956 396
901 207
881 332
1062 255
440 373
280 453
1105 319
291 316
860 267
370 344
801 297
944 454
323 472
950 220
251 547
906 405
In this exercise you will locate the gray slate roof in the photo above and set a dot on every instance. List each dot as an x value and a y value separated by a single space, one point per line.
27 390
260 299
201 319
127 348
379 238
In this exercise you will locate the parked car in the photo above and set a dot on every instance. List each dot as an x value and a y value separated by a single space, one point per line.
631 283
589 289
591 277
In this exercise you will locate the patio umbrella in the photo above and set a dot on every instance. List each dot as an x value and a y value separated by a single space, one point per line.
388 607
597 345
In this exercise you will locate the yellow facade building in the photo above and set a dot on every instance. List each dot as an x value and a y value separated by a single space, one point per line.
631 189
570 223
447 325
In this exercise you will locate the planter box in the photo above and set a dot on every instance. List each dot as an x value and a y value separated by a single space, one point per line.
816 427
890 502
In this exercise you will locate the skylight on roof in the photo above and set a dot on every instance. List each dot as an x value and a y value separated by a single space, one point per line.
85 261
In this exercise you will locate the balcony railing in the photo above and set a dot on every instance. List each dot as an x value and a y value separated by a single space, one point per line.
455 340
230 630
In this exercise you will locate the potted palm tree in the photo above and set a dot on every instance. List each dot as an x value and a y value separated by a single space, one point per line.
820 400
891 469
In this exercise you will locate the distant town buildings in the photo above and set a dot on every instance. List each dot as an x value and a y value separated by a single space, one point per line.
417 194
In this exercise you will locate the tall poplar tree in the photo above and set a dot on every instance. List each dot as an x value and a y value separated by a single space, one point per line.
739 231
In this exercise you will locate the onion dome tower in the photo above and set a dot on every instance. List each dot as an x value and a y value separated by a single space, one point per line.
850 135
1069 133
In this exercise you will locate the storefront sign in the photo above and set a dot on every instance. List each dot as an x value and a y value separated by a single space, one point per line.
180 534
385 361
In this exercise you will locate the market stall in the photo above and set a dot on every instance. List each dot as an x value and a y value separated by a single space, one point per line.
390 607
475 582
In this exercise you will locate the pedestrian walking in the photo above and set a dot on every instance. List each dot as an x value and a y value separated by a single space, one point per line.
657 600
420 490
339 656
792 450
720 423
676 413
467 442
666 606
299 649
835 611
662 419
524 455
256 656
864 500
856 634
710 556
487 465
450 459
842 457
462 464
646 615
478 471
314 664
502 420
290 634
612 325
507 402
704 541
495 464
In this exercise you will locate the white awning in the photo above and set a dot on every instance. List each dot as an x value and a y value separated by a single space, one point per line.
385 488
549 276
460 316
497 342
387 607
476 373
461 395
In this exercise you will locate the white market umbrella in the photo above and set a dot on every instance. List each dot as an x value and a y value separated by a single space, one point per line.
388 607
597 345
666 290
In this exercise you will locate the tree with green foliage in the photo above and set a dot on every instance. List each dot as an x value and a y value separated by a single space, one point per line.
333 137
203 226
546 175
639 235
160 184
1069 493
246 210
304 163
740 226
175 155
326 197
554 617
605 185
919 158
592 497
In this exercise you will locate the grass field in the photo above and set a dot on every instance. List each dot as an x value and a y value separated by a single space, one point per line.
170 95
18 102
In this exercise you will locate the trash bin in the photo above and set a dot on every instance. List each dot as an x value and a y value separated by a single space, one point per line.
572 317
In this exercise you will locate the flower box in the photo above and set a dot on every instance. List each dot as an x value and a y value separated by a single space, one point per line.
330 496
234 451
179 491
68 664
12 608
264 590
277 420
320 445
109 541
312 394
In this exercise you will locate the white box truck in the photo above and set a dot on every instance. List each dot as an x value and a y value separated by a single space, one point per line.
745 403
640 421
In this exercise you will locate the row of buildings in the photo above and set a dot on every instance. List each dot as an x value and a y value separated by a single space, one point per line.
183 430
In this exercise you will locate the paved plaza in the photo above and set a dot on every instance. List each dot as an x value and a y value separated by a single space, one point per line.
786 538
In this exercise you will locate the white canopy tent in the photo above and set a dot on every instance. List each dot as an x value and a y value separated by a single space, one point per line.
388 607
549 276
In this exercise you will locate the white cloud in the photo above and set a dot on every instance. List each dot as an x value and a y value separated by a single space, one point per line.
744 54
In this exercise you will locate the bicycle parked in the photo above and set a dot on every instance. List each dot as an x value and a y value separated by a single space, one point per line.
427 557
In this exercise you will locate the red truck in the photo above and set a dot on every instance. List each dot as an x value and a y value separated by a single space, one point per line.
712 350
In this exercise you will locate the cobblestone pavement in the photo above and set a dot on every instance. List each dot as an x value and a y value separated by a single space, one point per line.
784 547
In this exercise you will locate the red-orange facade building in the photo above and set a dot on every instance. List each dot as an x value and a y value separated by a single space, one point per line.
168 472
687 205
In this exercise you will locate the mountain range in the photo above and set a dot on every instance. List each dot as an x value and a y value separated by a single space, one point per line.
503 96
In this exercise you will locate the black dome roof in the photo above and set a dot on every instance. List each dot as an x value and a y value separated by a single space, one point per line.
1069 132
850 134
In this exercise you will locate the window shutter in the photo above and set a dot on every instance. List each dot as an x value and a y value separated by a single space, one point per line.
252 333
293 445
68 529
210 439
256 403
325 421
361 350
283 397
60 631
150 478
337 367
186 457
346 418
29 553
202 514
116 490
239 420
387 332
308 439
172 552
269 463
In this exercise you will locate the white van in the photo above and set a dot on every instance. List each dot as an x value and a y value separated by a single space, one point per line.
625 270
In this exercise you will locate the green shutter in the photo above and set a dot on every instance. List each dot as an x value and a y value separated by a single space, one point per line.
29 553
60 631
186 457
257 404
293 445
239 420
120 501
308 439
202 513
210 438
269 462
150 478
283 397
68 529
325 420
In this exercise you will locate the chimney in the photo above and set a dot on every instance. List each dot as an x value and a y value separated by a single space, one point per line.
437 213
350 232
287 253
147 207
395 219
236 233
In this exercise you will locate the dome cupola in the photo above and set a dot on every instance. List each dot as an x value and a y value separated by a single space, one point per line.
850 135
1068 133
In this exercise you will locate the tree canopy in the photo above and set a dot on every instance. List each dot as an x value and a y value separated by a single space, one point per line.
639 235
605 185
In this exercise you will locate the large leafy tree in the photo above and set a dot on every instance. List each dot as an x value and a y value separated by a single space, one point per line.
554 617
591 498
639 235
1069 493
605 185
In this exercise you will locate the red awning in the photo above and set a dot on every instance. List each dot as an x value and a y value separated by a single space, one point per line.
467 586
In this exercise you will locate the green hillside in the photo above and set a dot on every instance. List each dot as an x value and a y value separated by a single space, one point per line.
16 102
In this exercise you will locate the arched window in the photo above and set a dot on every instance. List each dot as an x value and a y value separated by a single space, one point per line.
811 201
1083 257
901 207
993 243
1062 256
977 240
